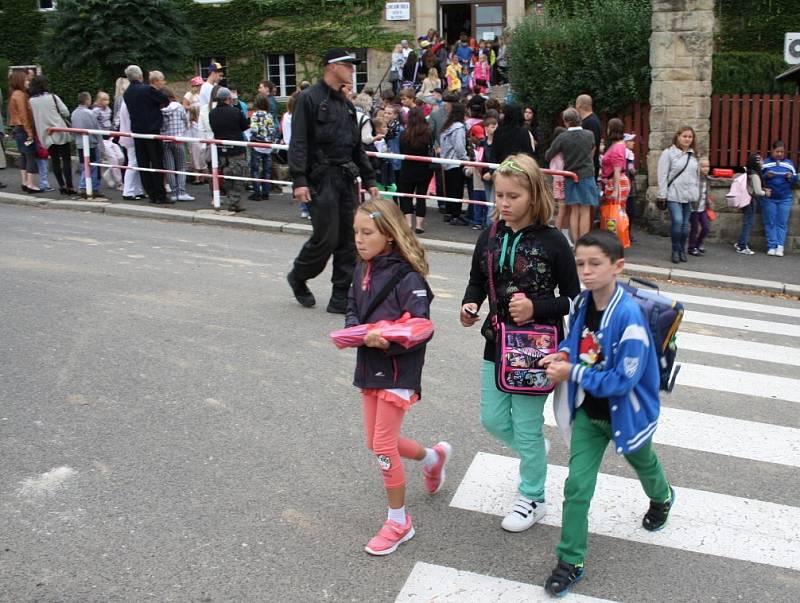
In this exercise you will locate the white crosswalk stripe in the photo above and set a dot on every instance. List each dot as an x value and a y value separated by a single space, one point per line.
429 582
702 521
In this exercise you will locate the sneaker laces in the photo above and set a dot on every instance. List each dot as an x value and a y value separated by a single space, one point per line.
524 507
564 573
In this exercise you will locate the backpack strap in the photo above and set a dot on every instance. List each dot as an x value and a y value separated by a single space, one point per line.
490 268
385 291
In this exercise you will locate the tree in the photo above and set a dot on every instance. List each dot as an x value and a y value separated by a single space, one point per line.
109 36
599 47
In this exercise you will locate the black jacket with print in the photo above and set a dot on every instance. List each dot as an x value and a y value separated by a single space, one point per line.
543 261
396 367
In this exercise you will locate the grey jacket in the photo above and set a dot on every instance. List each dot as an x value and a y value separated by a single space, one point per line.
684 188
82 117
453 142
50 112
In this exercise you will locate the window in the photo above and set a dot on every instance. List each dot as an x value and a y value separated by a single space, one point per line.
204 62
47 4
281 71
360 74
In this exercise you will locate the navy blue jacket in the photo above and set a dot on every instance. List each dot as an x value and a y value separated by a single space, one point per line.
144 105
396 367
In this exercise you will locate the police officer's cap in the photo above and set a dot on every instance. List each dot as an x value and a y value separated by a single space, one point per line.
339 55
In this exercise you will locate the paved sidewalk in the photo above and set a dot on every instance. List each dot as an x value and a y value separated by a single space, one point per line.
649 256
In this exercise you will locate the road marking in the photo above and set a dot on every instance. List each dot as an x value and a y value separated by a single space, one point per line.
742 323
701 522
739 348
428 582
722 435
733 304
739 382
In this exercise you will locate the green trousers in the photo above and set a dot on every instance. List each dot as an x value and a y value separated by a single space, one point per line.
589 441
517 421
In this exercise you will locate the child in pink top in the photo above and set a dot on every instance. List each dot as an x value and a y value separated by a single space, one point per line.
557 163
482 72
389 282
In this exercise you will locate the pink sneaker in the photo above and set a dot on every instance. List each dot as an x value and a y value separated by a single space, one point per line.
390 536
434 477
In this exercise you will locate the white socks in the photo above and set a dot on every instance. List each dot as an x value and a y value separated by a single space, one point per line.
398 515
431 458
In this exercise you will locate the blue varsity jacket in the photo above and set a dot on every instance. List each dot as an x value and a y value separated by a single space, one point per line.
628 376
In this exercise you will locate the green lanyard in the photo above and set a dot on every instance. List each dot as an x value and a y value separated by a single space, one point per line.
504 248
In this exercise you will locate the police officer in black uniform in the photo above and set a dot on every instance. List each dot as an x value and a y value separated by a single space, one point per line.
325 158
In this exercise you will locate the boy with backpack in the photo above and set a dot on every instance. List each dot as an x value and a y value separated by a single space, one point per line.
609 359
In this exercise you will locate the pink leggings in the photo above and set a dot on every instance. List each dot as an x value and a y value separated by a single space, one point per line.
382 422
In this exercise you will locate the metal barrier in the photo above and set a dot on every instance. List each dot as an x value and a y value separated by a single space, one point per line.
216 176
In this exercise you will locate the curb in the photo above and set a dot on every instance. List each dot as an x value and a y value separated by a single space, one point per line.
213 218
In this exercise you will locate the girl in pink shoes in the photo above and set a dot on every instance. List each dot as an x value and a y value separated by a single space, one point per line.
388 282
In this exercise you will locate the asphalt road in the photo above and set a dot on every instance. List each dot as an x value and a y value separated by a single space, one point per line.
175 427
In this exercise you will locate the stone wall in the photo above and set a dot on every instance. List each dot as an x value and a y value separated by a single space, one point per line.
681 47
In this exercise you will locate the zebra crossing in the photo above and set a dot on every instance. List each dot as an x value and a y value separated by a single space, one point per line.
734 407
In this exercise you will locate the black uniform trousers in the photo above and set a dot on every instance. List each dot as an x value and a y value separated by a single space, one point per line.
332 207
149 154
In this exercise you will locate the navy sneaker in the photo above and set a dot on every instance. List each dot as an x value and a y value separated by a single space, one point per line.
658 513
564 576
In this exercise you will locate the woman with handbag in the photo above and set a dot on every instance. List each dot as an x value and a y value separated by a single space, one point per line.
20 119
679 187
50 112
518 263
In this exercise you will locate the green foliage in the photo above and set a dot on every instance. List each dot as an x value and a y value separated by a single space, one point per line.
20 24
108 36
749 73
601 49
755 25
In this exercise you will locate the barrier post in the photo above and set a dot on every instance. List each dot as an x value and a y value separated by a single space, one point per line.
215 200
87 169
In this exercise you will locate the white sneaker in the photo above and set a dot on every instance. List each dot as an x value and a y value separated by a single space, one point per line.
743 250
185 197
772 252
524 514
779 251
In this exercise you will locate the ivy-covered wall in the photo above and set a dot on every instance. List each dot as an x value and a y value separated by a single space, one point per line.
244 31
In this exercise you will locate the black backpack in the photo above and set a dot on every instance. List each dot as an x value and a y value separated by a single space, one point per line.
663 317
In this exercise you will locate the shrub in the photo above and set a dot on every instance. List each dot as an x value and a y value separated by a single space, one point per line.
600 48
749 73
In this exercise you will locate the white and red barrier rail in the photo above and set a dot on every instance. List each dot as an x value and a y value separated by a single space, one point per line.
216 176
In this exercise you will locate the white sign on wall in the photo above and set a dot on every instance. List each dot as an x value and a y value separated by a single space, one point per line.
398 11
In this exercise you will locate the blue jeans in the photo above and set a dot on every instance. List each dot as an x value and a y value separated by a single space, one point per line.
261 167
776 220
679 231
94 157
43 182
479 211
748 213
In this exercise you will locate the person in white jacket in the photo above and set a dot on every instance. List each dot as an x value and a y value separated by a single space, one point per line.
132 183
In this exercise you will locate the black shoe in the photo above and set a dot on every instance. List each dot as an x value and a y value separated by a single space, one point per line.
694 251
3 185
128 198
419 230
24 189
658 513
167 201
458 221
254 197
564 576
337 306
61 190
676 257
683 257
301 291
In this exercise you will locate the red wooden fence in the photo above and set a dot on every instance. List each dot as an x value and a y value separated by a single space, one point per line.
746 123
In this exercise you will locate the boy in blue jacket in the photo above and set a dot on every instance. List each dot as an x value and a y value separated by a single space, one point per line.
610 362
779 175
